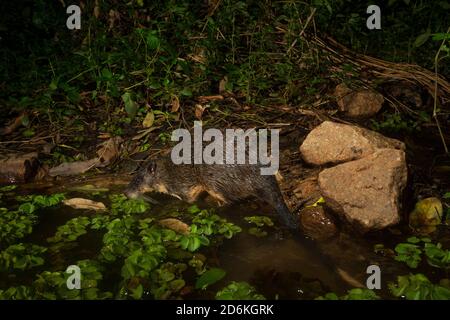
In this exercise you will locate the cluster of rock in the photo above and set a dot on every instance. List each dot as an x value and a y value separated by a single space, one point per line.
364 177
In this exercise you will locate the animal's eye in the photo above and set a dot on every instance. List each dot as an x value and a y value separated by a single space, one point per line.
151 168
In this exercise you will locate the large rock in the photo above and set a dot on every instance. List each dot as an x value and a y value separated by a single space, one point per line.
366 192
360 103
331 143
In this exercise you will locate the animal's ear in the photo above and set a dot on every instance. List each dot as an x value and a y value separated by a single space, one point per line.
151 167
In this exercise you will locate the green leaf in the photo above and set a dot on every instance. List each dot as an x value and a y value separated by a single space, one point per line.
421 39
28 133
137 293
352 294
413 240
193 209
177 284
8 188
361 294
408 253
329 296
186 92
239 291
152 40
418 287
436 256
260 221
148 120
194 244
425 239
209 277
107 74
53 84
25 121
130 106
27 207
441 36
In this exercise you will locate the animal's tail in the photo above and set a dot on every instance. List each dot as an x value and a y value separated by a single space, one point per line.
288 218
274 197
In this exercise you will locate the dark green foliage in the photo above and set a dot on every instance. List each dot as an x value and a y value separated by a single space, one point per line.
260 222
408 253
70 231
164 48
21 256
411 253
19 223
436 256
120 204
15 225
239 291
406 31
149 260
118 238
352 294
418 287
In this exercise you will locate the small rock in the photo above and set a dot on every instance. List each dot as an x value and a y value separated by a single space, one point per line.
81 203
358 104
316 224
366 192
332 142
175 225
427 214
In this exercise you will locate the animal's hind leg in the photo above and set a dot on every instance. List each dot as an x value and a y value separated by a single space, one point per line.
217 196
193 193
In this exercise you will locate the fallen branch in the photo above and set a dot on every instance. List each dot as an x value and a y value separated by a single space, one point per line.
13 125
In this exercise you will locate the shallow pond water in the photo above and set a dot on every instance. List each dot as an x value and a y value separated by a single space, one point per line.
280 265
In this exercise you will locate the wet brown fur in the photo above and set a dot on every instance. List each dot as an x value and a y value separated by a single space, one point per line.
225 183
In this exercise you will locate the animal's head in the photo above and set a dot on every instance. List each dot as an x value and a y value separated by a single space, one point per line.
145 180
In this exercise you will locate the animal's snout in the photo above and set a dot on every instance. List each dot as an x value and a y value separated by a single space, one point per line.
131 193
